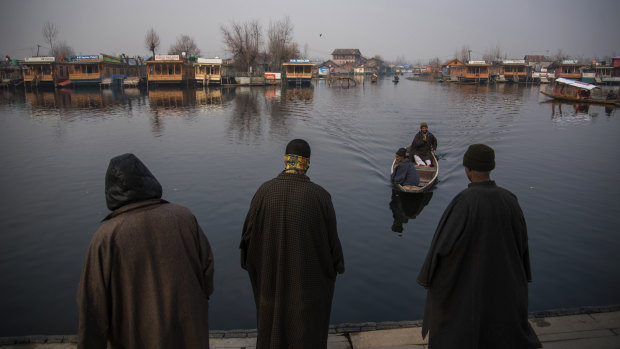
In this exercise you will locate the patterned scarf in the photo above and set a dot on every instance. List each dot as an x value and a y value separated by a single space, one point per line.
296 164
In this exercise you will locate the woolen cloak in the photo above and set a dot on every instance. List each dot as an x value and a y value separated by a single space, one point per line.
477 271
421 147
148 271
291 250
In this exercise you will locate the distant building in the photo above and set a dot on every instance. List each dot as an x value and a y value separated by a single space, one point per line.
343 56
535 59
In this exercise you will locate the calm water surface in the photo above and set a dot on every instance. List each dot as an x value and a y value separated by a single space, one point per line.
212 149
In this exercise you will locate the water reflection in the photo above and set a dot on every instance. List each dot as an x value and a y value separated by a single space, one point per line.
65 99
406 206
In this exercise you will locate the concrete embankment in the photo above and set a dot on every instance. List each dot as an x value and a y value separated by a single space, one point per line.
586 327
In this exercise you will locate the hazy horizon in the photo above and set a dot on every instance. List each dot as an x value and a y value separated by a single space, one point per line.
408 30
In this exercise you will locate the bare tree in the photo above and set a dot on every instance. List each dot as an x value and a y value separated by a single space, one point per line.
62 49
465 54
279 40
435 62
560 56
244 42
185 44
494 54
50 32
151 41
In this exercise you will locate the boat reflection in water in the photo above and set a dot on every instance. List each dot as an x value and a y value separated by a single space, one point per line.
66 99
406 206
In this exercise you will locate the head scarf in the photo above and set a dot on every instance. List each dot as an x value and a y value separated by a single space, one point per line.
296 164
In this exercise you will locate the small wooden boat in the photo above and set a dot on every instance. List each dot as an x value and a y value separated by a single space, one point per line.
428 177
373 78
395 79
577 91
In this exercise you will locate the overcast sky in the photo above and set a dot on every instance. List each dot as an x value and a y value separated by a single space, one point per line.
411 29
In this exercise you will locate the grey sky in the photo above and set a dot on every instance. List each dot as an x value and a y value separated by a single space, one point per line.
412 29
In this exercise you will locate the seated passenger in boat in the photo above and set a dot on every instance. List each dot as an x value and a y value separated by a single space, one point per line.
404 172
422 146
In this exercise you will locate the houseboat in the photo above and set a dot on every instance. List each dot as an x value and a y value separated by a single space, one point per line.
208 71
579 92
513 70
298 72
598 74
44 71
472 72
94 70
169 70
569 69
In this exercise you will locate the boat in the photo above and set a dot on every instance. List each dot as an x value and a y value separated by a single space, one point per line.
578 91
428 177
93 70
298 72
395 79
169 70
208 71
373 78
44 71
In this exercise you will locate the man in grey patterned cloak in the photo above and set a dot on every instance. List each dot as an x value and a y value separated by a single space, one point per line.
291 250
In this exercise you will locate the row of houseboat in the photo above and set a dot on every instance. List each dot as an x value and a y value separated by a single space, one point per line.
102 69
520 71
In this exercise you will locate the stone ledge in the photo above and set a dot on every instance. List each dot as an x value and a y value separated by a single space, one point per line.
333 329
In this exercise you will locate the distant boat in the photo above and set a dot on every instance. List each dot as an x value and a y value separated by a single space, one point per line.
395 79
373 78
578 91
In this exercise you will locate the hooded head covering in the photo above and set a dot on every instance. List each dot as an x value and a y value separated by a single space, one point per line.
424 124
128 180
479 157
401 152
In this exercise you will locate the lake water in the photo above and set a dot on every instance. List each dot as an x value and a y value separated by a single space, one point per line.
212 149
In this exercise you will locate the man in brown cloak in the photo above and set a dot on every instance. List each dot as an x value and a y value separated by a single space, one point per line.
148 271
478 267
291 250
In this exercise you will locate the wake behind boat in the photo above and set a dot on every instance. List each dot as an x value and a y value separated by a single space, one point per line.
428 177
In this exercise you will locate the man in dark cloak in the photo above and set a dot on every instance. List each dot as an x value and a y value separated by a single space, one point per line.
404 172
478 267
148 272
291 250
423 145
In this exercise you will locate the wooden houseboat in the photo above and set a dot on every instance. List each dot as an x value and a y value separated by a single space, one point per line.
513 70
449 67
169 70
44 71
579 92
472 72
208 71
569 69
95 70
298 72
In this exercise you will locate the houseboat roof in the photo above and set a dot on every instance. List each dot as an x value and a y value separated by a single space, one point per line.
298 62
209 60
39 59
575 83
514 61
